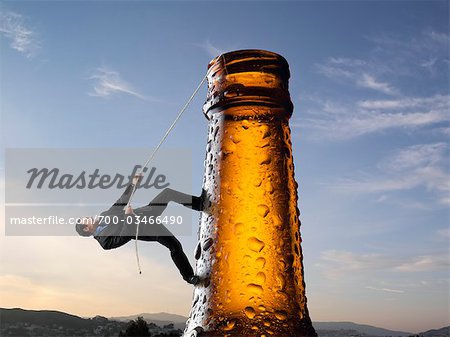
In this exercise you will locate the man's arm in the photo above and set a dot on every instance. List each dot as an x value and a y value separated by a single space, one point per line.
111 242
118 233
126 195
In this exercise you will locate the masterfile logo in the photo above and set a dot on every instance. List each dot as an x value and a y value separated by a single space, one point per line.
46 184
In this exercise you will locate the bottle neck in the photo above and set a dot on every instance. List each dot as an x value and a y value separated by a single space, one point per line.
246 78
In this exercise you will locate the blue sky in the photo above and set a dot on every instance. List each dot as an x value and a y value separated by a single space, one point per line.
370 133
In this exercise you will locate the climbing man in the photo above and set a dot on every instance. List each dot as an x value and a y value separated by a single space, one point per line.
116 226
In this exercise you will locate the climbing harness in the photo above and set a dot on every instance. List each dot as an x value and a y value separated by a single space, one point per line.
151 157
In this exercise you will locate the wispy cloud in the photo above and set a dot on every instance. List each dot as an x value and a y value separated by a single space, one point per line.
422 165
22 38
340 262
341 121
410 55
444 233
423 263
108 82
386 69
369 81
440 37
436 101
213 50
386 290
357 71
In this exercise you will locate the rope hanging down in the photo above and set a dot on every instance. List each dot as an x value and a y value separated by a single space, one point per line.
151 157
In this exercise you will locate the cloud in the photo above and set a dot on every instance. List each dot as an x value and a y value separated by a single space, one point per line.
352 261
369 81
423 263
437 102
211 49
416 156
22 38
444 233
340 262
393 60
342 121
357 71
442 38
421 165
386 290
108 82
410 55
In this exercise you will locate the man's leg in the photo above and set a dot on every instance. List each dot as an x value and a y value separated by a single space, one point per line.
178 257
158 232
159 203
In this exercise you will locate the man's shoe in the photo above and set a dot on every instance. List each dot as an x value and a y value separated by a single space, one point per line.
197 203
194 280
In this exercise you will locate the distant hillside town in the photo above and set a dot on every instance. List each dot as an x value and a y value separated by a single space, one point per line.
46 323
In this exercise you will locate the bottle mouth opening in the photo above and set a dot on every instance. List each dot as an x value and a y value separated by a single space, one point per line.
248 77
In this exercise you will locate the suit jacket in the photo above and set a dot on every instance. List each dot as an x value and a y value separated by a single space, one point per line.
117 233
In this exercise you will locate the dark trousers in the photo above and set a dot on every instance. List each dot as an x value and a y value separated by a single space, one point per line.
158 232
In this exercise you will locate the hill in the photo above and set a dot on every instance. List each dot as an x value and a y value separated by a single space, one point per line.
360 328
442 332
34 317
160 318
56 323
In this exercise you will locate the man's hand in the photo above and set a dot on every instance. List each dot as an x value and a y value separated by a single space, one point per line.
129 210
137 178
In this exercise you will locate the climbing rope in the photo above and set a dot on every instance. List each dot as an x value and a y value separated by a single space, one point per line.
151 157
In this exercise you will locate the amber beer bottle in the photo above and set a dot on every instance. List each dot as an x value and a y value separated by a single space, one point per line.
249 253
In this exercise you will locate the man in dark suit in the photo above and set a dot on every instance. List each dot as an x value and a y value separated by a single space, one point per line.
117 226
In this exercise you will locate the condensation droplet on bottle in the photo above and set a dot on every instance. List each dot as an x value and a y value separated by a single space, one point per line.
239 228
245 124
266 134
277 220
230 325
260 262
255 245
235 138
269 187
257 182
281 315
198 329
260 278
250 312
216 131
198 251
266 159
263 210
208 243
255 288
281 281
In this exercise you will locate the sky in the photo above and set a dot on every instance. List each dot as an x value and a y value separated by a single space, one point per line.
370 136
